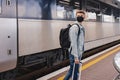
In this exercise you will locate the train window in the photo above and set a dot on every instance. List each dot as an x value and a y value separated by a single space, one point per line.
106 9
66 9
36 9
108 18
0 6
91 16
92 4
64 12
60 12
116 12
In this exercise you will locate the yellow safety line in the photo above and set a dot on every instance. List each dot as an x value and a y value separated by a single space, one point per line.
96 60
100 58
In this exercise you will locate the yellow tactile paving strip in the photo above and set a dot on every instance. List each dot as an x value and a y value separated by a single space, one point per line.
96 60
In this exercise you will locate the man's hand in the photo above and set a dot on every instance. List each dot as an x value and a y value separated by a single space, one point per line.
76 61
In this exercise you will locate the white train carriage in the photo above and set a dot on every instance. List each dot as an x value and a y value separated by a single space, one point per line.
30 27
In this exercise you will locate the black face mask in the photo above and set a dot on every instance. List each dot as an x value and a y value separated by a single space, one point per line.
80 18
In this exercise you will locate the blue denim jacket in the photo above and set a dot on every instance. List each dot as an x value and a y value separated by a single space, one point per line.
77 45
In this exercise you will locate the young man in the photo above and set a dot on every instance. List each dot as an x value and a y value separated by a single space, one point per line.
77 45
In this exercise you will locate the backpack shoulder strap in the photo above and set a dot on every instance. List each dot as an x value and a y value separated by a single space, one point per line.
83 29
78 28
69 25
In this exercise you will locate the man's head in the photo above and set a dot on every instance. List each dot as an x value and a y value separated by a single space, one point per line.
80 14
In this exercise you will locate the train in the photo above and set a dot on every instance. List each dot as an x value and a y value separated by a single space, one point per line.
29 33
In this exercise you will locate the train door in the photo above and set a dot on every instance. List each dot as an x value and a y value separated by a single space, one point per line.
8 35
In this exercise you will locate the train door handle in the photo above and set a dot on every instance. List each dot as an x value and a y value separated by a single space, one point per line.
9 52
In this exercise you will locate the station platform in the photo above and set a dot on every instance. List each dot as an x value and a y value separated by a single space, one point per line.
96 67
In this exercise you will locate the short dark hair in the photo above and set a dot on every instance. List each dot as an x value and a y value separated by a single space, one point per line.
80 11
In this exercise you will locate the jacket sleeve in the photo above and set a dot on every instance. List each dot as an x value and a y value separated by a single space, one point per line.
73 38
